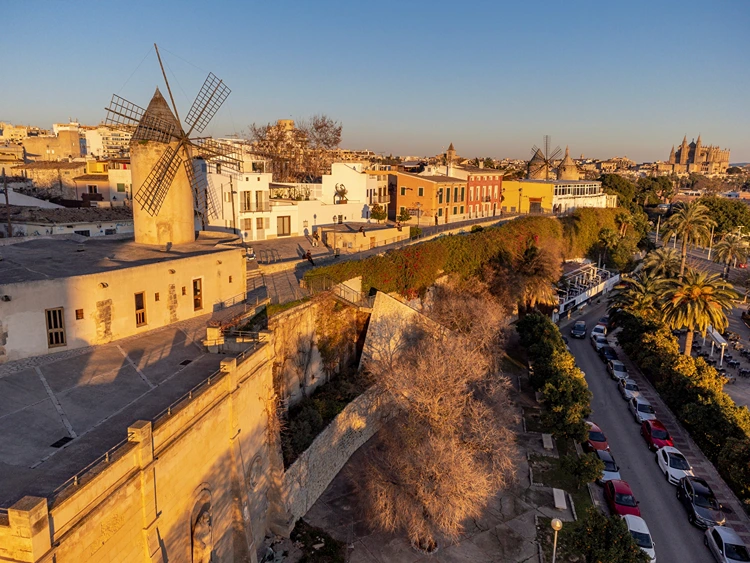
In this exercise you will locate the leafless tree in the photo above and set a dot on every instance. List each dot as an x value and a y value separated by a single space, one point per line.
448 448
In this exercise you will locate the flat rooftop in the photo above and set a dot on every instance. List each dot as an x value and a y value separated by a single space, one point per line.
60 412
52 258
354 227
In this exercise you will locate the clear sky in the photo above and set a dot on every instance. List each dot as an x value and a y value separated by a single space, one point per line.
407 77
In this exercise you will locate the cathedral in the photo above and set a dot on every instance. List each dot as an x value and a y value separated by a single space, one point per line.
694 157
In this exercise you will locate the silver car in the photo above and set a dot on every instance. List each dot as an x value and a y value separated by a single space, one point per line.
597 342
725 545
641 409
628 389
611 471
617 369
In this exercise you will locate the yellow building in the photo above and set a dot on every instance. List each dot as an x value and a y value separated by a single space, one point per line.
528 196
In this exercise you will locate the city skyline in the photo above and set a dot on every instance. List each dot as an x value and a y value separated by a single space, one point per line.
402 80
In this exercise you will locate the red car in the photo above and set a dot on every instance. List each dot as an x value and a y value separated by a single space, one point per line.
655 434
620 498
597 440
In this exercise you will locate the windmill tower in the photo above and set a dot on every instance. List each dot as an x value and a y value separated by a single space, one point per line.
168 194
542 163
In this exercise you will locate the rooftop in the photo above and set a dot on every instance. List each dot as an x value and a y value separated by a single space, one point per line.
59 215
354 227
47 165
435 178
104 177
53 258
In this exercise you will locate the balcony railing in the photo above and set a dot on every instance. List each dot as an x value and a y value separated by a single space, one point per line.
379 199
256 207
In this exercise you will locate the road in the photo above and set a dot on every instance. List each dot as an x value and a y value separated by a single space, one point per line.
675 539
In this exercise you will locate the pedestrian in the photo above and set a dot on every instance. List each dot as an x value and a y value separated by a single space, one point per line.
315 238
309 257
362 230
436 220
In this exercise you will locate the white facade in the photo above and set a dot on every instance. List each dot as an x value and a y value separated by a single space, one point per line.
88 228
14 198
120 184
104 142
569 195
351 175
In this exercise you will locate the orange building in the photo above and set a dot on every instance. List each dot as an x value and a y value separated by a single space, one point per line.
428 199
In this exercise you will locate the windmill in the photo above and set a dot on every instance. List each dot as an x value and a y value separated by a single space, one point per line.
159 125
541 162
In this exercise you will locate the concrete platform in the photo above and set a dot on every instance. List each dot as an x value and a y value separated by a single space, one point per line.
90 396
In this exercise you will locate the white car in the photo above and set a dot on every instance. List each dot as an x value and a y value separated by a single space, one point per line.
673 464
611 471
641 409
598 341
628 389
598 330
725 545
639 530
617 370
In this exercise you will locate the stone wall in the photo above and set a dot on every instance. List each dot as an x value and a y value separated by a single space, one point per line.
202 475
313 471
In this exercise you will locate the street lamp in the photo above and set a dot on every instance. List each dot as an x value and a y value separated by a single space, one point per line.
557 526
419 211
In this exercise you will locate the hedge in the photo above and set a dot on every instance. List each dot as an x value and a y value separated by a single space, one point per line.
412 269
693 390
566 396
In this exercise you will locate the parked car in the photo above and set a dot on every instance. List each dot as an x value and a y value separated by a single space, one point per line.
598 341
598 330
641 409
700 502
596 439
655 434
611 471
725 545
617 370
607 353
628 389
578 330
639 530
673 464
620 498
604 321
742 265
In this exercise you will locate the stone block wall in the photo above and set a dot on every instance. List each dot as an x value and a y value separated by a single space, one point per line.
313 471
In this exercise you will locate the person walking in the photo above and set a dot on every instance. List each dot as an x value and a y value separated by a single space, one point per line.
309 257
315 238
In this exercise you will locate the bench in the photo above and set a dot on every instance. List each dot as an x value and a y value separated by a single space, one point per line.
560 503
547 442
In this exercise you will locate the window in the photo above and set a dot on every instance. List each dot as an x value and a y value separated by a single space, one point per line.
140 309
463 193
455 194
92 189
447 195
440 212
86 233
156 296
259 223
227 197
403 190
462 209
454 209
197 294
120 187
420 192
284 226
184 291
471 193
247 224
55 327
246 201
230 279
79 314
440 195
110 231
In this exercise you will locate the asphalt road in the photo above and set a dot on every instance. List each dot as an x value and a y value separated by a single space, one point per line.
675 539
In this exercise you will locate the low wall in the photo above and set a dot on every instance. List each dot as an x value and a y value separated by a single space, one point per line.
309 476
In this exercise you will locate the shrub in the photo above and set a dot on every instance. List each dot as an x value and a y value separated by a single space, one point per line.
587 468
415 231
597 537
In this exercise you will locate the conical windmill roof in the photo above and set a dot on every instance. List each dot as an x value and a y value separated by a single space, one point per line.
567 161
538 156
567 169
159 109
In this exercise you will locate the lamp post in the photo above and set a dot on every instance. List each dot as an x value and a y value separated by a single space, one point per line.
557 526
419 211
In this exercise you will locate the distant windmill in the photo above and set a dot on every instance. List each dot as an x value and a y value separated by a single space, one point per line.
161 128
541 163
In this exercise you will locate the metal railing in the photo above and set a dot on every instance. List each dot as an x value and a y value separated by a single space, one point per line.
256 207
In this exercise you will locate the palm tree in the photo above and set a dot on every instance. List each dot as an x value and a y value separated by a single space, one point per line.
731 247
692 223
536 272
663 262
639 296
697 301
608 240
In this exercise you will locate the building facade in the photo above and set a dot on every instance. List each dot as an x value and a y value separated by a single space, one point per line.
694 157
429 199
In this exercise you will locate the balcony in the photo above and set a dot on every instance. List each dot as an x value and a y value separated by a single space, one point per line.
256 207
383 200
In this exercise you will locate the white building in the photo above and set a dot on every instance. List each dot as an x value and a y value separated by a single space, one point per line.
246 206
104 142
567 195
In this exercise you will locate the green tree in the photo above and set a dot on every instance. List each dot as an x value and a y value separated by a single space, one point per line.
734 465
623 188
598 539
696 302
536 271
379 212
691 223
403 215
586 469
608 240
664 262
727 213
639 296
567 402
731 247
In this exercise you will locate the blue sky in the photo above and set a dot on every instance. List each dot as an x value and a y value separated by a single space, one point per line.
607 78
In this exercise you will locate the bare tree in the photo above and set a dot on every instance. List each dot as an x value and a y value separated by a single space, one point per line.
449 447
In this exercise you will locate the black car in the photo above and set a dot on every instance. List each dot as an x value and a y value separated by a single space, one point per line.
698 499
607 353
578 330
